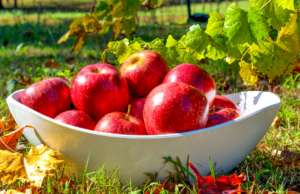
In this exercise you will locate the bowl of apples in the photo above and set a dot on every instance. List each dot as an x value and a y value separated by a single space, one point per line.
132 117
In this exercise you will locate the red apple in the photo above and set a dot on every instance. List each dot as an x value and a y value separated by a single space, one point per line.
137 108
221 101
222 116
99 89
49 97
77 118
174 108
144 70
216 109
120 123
195 76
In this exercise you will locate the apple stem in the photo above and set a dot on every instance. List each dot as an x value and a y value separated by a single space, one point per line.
213 107
128 112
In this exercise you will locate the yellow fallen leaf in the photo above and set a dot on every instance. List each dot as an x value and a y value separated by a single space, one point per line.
12 191
11 167
41 161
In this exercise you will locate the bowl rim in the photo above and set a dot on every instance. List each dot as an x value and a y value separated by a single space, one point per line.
10 99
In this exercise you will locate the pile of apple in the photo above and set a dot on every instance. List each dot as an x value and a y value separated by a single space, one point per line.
142 98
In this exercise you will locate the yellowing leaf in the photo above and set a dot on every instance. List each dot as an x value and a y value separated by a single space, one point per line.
79 42
248 74
8 123
64 38
41 161
9 141
272 59
90 23
288 4
289 35
117 29
129 27
11 167
75 26
215 24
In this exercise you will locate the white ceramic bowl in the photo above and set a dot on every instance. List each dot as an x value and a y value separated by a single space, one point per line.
227 144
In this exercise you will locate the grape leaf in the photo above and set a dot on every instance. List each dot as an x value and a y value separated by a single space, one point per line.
248 74
217 48
236 26
79 42
123 50
64 38
289 4
117 28
129 27
75 26
168 53
258 25
132 6
171 41
187 55
152 4
90 23
277 16
215 24
196 42
289 35
272 59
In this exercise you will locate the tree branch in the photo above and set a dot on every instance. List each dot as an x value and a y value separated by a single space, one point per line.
265 5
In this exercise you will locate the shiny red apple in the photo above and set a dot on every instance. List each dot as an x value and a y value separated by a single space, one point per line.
143 71
222 116
195 76
174 108
77 118
221 101
48 97
120 123
137 108
99 89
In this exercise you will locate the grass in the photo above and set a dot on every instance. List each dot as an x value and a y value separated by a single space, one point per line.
25 48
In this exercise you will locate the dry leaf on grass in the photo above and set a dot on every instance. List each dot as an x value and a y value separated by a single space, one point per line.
41 161
291 158
9 141
7 124
52 64
11 167
12 191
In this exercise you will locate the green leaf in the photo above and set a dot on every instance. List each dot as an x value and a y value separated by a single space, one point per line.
196 42
10 86
171 41
236 26
215 24
289 4
258 25
129 27
132 6
272 59
277 16
217 48
123 50
186 54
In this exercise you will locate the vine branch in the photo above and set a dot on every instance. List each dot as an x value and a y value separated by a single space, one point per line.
92 7
265 5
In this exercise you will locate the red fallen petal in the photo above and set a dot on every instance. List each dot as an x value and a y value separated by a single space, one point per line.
206 185
233 191
227 182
